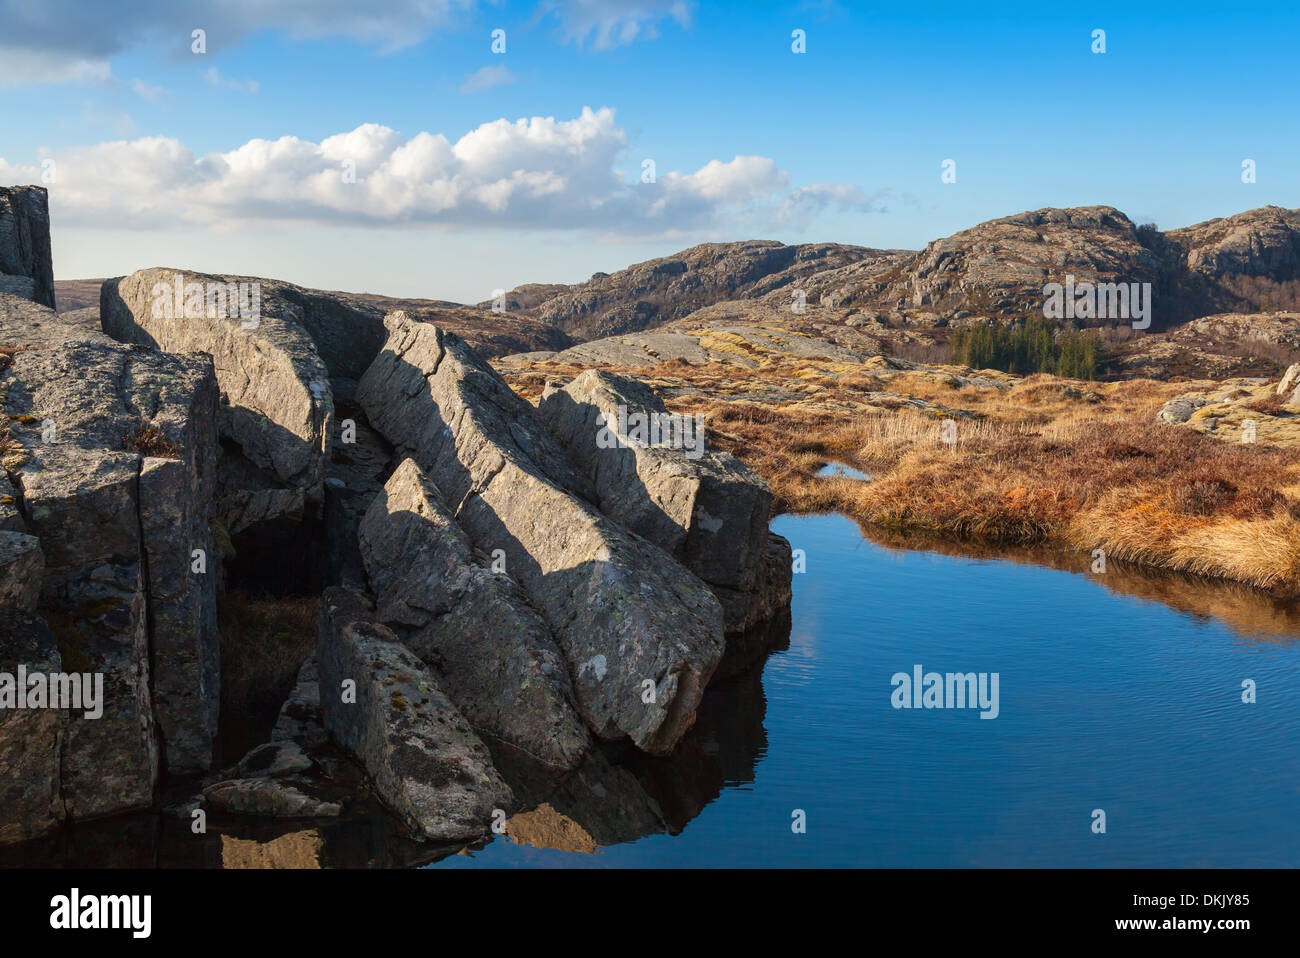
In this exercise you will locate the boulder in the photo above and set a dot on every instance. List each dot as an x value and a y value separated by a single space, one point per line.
641 634
26 268
30 738
21 565
1289 380
1180 409
704 507
426 763
266 798
112 452
276 402
494 655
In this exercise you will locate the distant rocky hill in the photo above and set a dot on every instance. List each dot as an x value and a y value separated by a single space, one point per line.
997 269
650 294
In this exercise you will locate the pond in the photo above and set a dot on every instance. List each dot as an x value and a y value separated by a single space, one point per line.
1118 693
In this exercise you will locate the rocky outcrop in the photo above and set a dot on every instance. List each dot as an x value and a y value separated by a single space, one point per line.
1260 243
26 269
702 506
641 634
1003 264
383 705
112 457
1244 410
494 655
698 339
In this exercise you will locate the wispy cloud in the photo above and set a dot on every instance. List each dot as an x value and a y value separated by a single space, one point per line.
535 173
214 78
487 77
607 24
146 91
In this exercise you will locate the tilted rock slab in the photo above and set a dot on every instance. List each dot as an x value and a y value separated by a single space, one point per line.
493 653
113 471
704 507
641 634
277 402
427 764
26 268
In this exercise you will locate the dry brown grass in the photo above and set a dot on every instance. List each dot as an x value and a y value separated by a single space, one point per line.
149 440
1048 462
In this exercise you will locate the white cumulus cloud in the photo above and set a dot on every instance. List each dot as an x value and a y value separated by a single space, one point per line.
534 173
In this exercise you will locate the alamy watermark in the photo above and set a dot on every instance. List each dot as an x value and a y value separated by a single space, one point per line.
950 690
642 430
75 911
181 300
1070 300
53 690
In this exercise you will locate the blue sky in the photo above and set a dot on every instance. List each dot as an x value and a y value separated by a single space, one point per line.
532 172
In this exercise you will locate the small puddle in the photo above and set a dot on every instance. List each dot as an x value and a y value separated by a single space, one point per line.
837 470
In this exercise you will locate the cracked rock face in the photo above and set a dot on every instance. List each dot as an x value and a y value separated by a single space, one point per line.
21 566
494 654
425 761
112 462
30 739
641 634
25 266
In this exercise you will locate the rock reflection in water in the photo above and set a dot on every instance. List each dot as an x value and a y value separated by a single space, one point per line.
623 795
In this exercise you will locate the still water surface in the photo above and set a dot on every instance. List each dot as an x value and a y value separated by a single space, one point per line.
1106 701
